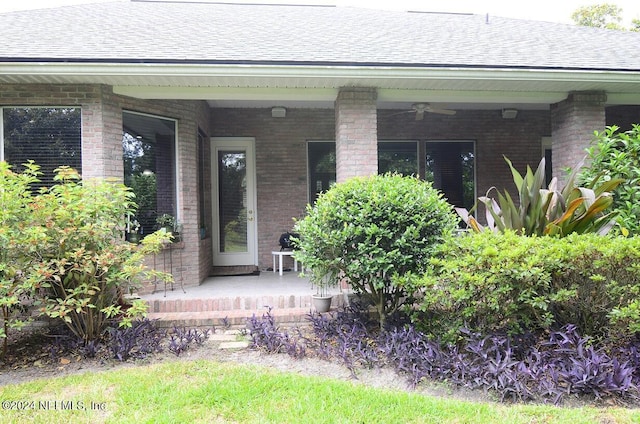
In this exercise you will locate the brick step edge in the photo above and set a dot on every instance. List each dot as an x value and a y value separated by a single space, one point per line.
234 317
232 304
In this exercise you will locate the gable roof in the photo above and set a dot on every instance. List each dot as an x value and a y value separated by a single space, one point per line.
186 44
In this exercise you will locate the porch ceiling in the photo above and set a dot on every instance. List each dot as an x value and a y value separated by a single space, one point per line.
315 86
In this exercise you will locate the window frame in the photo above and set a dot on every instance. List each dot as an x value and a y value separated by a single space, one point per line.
45 106
176 212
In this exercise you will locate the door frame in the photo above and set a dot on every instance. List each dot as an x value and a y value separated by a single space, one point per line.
251 256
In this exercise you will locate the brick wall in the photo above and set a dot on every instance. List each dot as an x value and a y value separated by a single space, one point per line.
203 118
356 133
281 148
281 151
573 123
518 139
281 163
102 151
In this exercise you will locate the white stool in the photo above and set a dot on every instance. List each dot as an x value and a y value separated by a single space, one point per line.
280 254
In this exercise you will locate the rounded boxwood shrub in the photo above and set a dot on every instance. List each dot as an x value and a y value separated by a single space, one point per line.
367 230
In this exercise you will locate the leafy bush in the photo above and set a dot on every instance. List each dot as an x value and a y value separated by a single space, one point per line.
491 282
615 155
85 264
366 230
65 249
17 250
547 211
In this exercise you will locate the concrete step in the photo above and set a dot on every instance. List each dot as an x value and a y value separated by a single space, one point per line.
235 318
244 303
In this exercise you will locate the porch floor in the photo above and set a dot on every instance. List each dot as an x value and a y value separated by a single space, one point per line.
234 298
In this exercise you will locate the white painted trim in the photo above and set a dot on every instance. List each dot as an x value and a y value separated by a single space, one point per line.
185 81
250 144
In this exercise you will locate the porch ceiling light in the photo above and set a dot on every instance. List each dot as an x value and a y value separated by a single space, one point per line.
509 113
278 112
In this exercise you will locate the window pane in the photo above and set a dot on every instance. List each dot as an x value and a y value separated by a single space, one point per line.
49 136
322 167
148 145
450 167
398 157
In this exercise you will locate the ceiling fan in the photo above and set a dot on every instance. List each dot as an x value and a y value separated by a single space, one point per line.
421 108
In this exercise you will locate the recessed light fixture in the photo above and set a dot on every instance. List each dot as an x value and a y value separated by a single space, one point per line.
509 113
278 112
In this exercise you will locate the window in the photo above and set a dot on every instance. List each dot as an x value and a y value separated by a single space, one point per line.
450 166
398 156
547 154
50 136
322 167
149 152
203 185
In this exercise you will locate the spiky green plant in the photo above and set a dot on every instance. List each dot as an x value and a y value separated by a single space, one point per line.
547 211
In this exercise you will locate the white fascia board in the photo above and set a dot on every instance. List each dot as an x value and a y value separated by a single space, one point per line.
304 71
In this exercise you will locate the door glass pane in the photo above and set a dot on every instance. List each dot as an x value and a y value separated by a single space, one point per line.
450 167
232 189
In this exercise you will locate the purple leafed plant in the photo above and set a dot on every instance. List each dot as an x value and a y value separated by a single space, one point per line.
137 341
181 338
516 368
267 336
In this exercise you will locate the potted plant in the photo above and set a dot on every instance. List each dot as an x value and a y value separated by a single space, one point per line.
167 222
133 231
322 280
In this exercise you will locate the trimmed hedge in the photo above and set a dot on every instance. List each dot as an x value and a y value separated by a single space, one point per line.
502 282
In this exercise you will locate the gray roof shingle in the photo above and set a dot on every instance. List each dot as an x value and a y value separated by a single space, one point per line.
236 33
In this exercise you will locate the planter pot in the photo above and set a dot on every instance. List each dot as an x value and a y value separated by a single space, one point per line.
321 303
134 238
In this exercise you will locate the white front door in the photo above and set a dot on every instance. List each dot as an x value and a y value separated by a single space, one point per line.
233 181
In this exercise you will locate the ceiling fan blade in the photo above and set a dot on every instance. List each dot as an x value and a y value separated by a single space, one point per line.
441 111
400 113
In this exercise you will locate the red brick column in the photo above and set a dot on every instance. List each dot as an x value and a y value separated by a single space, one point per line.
356 133
573 122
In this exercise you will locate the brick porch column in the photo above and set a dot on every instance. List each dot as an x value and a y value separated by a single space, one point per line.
102 136
356 133
573 122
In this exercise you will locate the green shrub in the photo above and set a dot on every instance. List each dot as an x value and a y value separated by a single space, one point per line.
614 155
368 229
17 252
66 249
85 264
492 282
548 210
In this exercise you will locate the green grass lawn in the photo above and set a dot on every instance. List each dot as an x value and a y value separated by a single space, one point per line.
211 392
